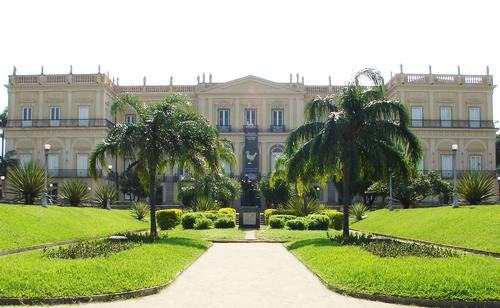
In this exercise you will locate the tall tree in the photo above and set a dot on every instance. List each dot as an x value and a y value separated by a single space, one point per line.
165 135
357 130
3 123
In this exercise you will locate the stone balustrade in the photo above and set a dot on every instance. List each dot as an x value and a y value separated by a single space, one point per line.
60 79
441 79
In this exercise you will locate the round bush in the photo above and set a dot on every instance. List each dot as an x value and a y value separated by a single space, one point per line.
228 211
318 222
212 215
188 219
167 219
225 221
297 224
203 223
277 222
335 218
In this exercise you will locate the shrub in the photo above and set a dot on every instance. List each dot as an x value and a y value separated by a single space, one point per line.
270 212
202 203
212 215
103 193
299 223
278 221
228 211
203 223
188 219
476 187
167 219
297 205
225 221
352 239
335 218
139 210
26 182
141 237
358 211
75 192
88 249
317 222
402 249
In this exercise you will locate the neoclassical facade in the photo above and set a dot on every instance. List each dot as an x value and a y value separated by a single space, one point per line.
72 113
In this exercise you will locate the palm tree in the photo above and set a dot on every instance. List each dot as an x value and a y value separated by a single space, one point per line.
357 132
166 134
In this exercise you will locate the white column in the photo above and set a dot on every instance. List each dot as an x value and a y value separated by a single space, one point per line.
461 108
489 107
97 103
69 105
12 105
431 106
237 115
432 153
263 122
264 169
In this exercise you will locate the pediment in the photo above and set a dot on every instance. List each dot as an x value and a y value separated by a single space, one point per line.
250 85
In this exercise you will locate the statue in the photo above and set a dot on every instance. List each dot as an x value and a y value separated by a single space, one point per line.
458 69
290 77
330 81
41 73
71 69
297 75
99 69
198 78
401 68
203 78
14 70
302 79
117 81
171 80
210 78
144 81
430 69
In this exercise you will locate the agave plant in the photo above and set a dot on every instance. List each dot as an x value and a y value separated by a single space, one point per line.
26 182
75 192
307 206
104 193
202 203
476 187
358 211
139 210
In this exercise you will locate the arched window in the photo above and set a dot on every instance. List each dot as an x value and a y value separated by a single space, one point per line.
276 152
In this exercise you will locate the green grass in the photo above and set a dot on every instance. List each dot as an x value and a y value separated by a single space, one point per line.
33 275
25 225
209 234
467 226
351 268
266 233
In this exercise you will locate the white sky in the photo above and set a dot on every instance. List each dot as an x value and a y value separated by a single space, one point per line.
232 39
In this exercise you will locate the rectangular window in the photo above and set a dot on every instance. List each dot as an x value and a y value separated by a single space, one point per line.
27 120
81 164
417 116
445 116
53 164
474 117
54 113
223 117
447 166
250 117
130 118
25 158
475 163
83 115
277 117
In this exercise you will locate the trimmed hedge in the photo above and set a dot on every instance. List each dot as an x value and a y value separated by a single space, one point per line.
188 219
225 221
168 219
299 223
192 219
279 221
335 218
228 211
203 223
271 212
317 222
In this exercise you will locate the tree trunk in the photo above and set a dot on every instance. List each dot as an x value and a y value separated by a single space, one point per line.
152 201
346 179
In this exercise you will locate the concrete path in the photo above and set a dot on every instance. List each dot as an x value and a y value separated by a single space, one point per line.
250 234
245 275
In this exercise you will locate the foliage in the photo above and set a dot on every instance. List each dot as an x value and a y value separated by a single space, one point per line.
307 206
212 215
270 212
188 219
203 223
278 221
275 193
130 184
353 239
298 223
475 187
225 221
168 219
335 218
26 182
228 211
88 249
103 193
317 222
166 134
203 203
404 249
287 235
357 132
358 211
139 209
75 192
219 187
142 237
8 161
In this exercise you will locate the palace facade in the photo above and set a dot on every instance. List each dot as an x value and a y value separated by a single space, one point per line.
71 112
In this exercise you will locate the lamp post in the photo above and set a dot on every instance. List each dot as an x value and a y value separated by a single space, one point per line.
108 199
2 178
46 148
454 149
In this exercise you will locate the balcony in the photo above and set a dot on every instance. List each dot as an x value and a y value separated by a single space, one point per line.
46 123
224 128
448 174
250 128
71 173
277 128
451 124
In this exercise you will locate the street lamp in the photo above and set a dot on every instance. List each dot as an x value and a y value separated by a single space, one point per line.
46 148
454 148
2 178
108 199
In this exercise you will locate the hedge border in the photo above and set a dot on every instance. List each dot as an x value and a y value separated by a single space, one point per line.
423 302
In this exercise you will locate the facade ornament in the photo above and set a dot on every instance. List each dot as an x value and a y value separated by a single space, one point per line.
198 78
117 81
41 72
401 68
144 81
458 69
171 80
487 70
302 79
113 79
71 69
330 81
290 78
430 69
203 78
391 74
210 78
99 69
14 70
297 76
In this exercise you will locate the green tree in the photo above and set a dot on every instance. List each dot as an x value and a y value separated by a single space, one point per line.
218 187
357 130
8 162
275 193
165 134
129 183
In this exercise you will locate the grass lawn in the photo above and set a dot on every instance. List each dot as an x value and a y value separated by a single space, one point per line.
33 275
209 234
351 268
467 226
25 225
266 233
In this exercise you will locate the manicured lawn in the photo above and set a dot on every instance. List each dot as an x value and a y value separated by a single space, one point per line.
24 225
352 268
33 275
209 234
467 226
266 233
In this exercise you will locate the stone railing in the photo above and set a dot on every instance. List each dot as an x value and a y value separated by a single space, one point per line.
157 89
322 89
45 123
60 79
417 123
441 79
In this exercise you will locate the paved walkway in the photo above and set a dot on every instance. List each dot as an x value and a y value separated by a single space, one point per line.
245 275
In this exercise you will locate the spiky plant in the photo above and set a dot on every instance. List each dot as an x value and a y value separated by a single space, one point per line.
75 192
103 193
309 205
139 210
475 187
202 203
358 211
26 182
